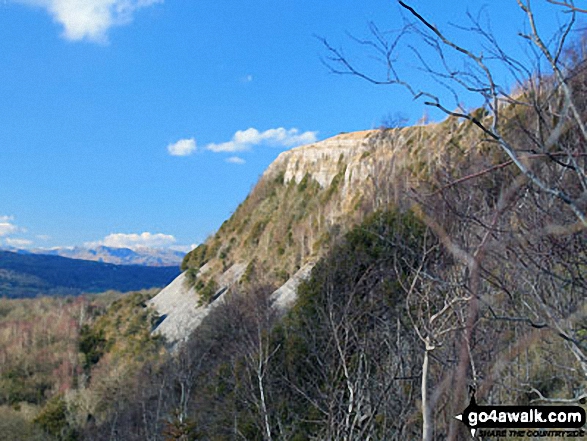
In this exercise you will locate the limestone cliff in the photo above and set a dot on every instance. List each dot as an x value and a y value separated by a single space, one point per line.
321 160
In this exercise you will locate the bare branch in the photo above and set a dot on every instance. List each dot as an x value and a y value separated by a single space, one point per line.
568 5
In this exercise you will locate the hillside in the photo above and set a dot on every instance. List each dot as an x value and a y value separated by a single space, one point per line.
305 201
372 269
312 194
366 287
29 275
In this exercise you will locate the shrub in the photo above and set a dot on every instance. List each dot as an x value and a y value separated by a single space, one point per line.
53 419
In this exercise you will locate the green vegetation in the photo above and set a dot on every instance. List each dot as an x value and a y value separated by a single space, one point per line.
354 287
92 346
195 258
52 419
207 291
358 284
62 357
275 223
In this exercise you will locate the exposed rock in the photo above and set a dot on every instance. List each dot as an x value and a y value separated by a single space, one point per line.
321 160
231 275
284 297
179 305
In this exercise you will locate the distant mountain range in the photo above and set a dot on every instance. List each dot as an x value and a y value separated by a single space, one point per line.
30 275
118 256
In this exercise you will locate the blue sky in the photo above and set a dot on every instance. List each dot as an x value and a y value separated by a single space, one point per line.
146 122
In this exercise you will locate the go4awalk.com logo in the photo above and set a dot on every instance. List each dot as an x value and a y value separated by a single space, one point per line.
524 421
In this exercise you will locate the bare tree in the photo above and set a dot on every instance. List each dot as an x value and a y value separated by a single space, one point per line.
539 126
550 97
434 316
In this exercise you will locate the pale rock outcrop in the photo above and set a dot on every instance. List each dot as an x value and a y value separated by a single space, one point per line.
367 158
321 160
179 309
284 297
177 305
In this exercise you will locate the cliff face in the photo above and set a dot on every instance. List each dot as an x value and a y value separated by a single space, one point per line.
322 160
306 198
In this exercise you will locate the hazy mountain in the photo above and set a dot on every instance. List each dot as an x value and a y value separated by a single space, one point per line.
29 275
118 256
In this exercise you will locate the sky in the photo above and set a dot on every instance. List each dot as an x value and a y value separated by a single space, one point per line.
146 122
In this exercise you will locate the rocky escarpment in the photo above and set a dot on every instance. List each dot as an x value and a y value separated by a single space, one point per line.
322 160
306 198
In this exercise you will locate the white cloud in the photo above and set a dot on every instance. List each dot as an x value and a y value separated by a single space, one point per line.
244 140
229 146
6 226
133 241
235 160
18 243
183 147
90 19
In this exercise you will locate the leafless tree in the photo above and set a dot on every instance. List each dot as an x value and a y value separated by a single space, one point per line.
539 126
550 97
434 316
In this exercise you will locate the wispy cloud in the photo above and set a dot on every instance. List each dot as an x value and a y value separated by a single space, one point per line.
18 243
235 160
133 241
183 147
6 226
244 140
7 229
90 19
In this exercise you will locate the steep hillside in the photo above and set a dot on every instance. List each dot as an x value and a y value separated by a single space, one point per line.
29 275
307 199
313 193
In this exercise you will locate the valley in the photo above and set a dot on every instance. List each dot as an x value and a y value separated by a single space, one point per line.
31 275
